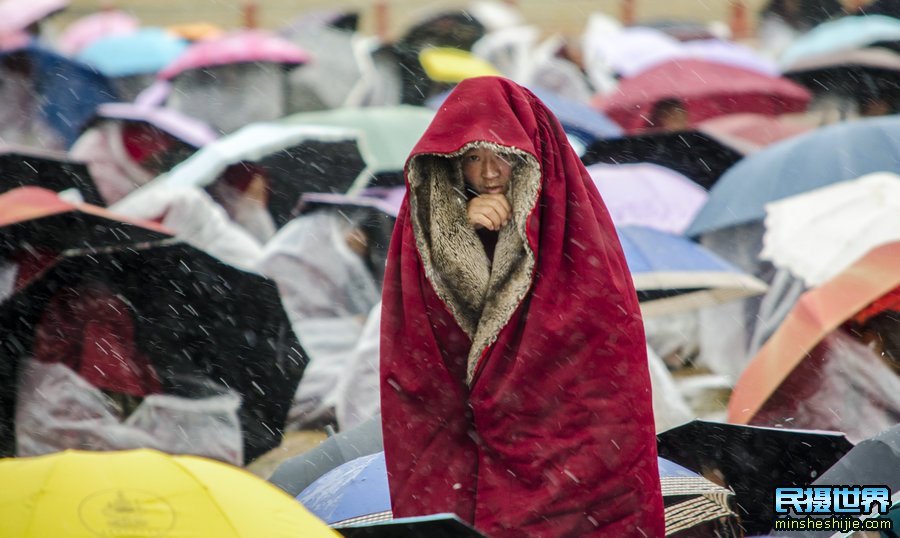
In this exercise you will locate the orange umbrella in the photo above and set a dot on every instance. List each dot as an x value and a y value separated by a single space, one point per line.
43 209
817 313
36 226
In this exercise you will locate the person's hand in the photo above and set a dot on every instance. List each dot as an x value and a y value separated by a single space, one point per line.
491 211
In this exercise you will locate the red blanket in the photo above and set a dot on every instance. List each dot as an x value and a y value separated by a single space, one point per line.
514 393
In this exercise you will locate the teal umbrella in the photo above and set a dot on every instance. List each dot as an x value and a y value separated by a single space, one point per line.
147 50
389 134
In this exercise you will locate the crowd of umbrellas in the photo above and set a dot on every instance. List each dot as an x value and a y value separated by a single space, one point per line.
194 223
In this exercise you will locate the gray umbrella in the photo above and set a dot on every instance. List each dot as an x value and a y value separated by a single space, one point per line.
294 474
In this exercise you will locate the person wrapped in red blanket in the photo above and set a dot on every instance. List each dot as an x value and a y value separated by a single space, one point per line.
514 382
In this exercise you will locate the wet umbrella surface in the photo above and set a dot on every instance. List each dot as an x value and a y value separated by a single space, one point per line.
195 318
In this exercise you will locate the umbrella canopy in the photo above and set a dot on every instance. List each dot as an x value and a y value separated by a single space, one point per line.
817 313
195 315
144 493
637 49
15 16
145 51
296 474
39 217
296 158
811 12
84 31
185 128
706 89
196 318
69 90
196 30
830 154
867 71
695 505
444 64
390 134
818 234
239 46
648 195
433 526
697 155
845 33
673 274
749 133
355 492
752 461
54 170
329 81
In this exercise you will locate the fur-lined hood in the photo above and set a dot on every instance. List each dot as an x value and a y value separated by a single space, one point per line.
480 294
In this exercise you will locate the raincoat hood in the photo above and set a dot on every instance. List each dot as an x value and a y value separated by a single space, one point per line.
523 377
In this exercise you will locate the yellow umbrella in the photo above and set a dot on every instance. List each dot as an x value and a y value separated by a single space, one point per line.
144 494
444 64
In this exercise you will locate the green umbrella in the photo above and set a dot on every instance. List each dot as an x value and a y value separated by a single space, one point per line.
389 134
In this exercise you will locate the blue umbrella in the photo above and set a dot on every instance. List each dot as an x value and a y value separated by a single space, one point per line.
672 273
846 33
70 90
803 163
145 51
355 492
577 119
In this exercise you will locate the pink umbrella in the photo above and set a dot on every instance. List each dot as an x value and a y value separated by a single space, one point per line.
648 195
748 133
86 30
17 15
240 46
706 90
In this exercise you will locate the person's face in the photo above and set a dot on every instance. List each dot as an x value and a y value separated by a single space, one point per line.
486 171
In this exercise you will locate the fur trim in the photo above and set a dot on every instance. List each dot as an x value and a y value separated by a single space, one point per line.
481 296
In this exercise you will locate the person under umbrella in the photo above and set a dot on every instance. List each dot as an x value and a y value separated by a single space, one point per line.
234 79
126 146
203 323
520 407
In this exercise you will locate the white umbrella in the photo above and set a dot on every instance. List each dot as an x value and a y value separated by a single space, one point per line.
819 233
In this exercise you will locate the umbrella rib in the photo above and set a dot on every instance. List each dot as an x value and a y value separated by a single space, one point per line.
211 497
41 493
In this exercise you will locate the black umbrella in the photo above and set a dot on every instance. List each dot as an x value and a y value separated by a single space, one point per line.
859 74
810 13
54 170
890 8
195 318
873 461
752 461
694 154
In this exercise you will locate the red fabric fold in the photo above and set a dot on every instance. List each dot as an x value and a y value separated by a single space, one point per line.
555 435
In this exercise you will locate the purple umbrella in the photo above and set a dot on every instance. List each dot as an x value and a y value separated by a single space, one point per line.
648 195
185 128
